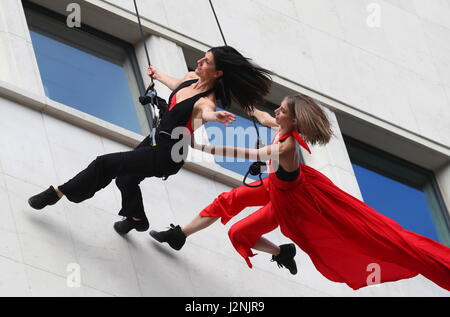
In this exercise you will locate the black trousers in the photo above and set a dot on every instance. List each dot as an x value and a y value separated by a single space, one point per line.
129 169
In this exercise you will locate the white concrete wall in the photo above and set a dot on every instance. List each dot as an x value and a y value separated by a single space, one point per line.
17 60
390 73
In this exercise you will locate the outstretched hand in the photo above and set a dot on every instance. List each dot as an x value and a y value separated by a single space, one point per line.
225 117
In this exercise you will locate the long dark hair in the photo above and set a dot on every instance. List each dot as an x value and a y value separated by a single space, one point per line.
243 81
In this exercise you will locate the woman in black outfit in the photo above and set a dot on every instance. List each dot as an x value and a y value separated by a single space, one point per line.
222 74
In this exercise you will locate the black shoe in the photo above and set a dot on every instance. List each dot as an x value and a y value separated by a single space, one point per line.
174 237
286 257
126 225
47 198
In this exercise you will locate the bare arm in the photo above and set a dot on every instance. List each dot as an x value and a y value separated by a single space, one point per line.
264 118
278 151
171 82
266 153
209 113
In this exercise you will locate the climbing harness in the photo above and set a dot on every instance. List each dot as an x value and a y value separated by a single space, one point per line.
256 168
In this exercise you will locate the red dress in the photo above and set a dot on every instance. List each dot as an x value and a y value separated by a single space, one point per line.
344 237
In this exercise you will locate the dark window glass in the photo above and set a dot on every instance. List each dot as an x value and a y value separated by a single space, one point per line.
401 191
86 72
241 133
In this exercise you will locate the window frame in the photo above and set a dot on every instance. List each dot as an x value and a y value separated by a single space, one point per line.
97 43
421 179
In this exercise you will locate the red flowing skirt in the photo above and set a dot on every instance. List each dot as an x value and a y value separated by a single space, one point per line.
347 240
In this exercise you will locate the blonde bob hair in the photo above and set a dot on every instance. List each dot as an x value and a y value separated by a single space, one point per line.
312 121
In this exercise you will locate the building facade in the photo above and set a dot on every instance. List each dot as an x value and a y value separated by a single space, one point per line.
68 93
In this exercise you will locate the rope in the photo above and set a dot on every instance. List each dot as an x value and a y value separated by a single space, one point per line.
150 97
143 37
218 23
255 167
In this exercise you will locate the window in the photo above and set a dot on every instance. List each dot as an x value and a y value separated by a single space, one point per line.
400 190
87 69
241 133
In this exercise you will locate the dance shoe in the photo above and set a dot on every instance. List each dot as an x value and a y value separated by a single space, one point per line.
47 198
286 258
127 224
174 237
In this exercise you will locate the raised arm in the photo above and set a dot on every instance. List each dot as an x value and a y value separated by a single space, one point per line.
264 118
264 154
277 151
170 82
209 113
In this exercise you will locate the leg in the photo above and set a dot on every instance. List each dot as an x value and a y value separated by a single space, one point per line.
227 205
105 168
96 176
132 203
265 245
141 162
58 192
246 233
197 224
85 184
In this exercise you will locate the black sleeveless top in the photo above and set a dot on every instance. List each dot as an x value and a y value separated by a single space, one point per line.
179 114
287 176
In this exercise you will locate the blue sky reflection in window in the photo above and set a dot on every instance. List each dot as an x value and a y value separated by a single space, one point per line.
85 82
241 134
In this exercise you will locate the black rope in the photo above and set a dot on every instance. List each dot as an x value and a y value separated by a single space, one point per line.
218 23
142 32
150 98
256 167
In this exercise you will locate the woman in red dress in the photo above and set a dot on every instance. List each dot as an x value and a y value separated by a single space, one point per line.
344 237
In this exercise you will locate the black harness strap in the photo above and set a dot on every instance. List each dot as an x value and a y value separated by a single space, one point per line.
256 168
